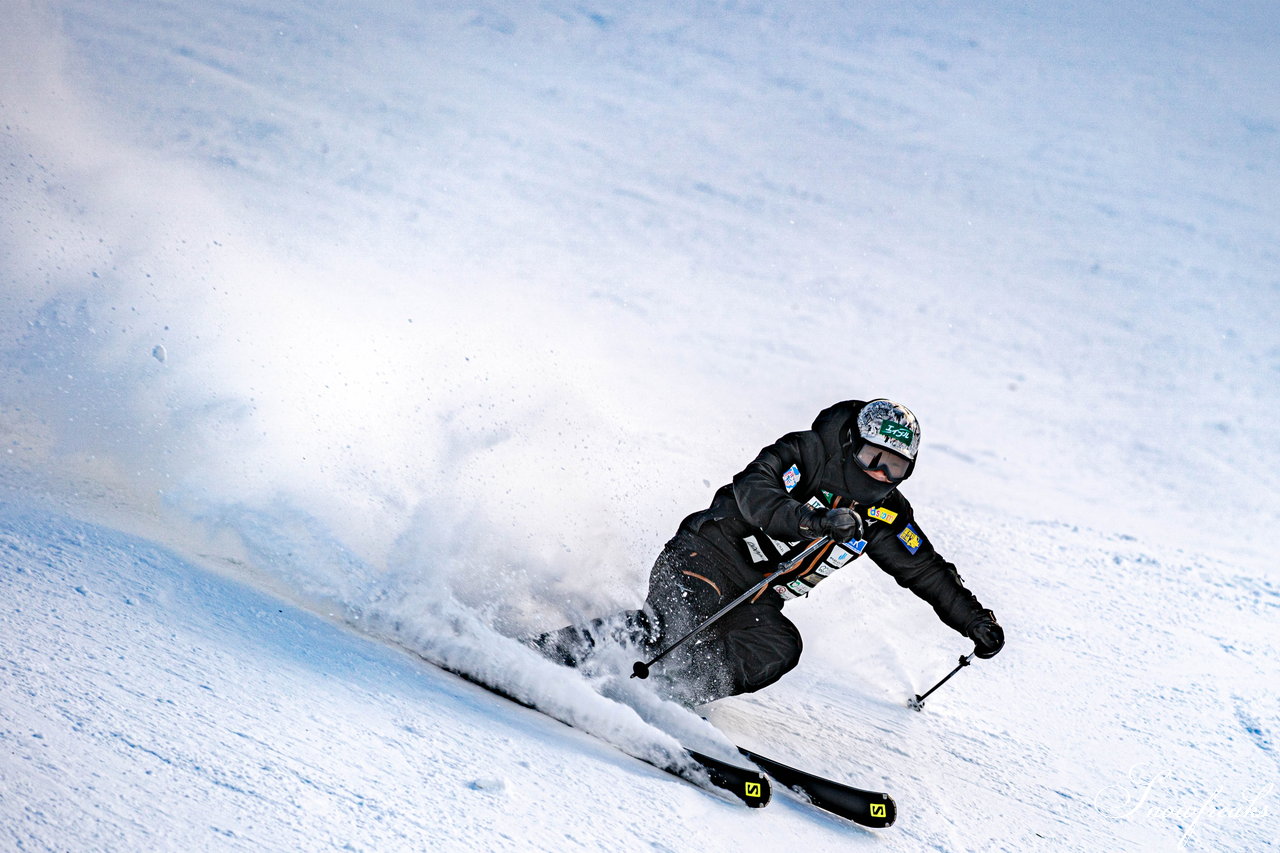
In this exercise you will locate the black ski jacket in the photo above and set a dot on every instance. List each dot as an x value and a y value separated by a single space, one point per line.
754 522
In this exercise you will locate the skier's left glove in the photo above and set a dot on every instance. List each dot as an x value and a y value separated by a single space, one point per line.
987 635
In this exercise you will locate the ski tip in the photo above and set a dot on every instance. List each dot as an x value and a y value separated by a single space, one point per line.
749 785
753 789
881 812
756 793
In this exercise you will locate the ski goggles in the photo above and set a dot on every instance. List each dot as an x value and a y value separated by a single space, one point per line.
872 457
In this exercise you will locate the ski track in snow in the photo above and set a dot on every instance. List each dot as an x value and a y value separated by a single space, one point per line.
432 322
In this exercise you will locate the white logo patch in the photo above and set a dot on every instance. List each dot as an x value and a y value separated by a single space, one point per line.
783 547
791 477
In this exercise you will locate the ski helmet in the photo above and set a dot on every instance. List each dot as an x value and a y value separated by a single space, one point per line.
887 439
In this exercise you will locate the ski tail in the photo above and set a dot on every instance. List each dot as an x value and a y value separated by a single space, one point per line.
868 808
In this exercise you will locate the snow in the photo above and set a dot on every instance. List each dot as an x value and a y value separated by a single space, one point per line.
339 329
195 713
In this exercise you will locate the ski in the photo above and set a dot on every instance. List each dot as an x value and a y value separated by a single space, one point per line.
868 808
748 784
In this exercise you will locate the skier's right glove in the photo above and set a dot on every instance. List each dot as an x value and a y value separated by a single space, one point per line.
841 524
987 635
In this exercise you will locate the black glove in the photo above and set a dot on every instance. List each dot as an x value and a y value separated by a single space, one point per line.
987 635
841 524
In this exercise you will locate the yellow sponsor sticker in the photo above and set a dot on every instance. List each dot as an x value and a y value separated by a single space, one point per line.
910 539
877 810
879 513
753 790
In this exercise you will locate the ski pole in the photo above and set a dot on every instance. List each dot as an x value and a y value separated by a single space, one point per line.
917 703
641 669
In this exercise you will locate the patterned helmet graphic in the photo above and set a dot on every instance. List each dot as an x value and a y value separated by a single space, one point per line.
890 425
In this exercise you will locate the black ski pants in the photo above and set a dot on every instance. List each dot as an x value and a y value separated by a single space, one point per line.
748 648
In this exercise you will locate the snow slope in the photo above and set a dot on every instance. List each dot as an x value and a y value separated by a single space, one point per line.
437 318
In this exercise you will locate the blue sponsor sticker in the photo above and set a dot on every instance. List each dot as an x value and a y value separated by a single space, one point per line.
910 538
791 476
857 547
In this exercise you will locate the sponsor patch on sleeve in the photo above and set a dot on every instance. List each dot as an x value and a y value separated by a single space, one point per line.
790 477
910 539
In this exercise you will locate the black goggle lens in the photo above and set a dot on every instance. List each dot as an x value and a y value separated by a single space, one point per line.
871 457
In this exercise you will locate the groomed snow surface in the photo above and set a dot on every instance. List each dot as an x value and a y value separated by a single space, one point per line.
335 332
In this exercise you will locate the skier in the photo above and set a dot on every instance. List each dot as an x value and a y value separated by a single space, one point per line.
838 480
